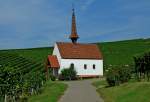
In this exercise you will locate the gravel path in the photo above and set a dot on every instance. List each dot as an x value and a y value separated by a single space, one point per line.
81 91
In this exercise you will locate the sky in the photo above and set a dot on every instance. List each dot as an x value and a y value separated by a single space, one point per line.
41 23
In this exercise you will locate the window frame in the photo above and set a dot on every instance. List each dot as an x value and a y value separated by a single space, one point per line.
94 66
85 66
72 65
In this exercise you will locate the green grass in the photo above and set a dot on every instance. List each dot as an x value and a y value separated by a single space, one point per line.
128 92
122 52
51 92
100 84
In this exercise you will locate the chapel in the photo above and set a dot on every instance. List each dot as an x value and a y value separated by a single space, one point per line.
86 58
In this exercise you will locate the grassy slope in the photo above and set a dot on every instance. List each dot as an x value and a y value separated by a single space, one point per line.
51 92
36 54
128 92
122 52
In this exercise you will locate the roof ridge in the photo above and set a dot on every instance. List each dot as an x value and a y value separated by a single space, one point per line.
77 43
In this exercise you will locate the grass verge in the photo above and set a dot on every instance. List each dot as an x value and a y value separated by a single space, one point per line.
51 92
128 92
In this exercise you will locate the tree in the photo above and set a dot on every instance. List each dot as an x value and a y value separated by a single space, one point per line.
142 66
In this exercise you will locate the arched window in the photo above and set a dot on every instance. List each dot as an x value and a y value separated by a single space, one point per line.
85 66
94 66
72 65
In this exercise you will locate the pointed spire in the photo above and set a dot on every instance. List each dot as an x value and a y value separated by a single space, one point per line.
74 36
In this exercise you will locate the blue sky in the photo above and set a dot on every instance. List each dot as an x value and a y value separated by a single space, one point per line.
40 23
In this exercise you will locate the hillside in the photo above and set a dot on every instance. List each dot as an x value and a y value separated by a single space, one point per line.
114 53
19 74
36 54
122 52
29 63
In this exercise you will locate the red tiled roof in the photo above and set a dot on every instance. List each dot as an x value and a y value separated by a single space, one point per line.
79 51
53 61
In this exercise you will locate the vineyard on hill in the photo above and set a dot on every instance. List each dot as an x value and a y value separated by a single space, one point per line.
36 54
22 70
19 76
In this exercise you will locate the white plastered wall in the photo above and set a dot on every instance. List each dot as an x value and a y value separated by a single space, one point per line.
79 66
57 53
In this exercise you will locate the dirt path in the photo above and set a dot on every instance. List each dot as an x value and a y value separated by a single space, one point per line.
81 91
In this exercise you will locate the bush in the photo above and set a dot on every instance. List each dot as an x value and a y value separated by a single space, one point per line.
142 66
112 78
124 75
53 78
68 74
115 76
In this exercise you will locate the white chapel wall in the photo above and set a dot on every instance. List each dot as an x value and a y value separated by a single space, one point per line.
57 53
79 66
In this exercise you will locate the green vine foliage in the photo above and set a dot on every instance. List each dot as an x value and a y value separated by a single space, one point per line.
19 77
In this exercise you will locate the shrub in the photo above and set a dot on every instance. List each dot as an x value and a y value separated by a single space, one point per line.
118 75
68 74
112 77
53 78
124 74
142 66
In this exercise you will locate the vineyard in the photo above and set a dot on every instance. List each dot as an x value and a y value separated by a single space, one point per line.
36 54
22 70
20 77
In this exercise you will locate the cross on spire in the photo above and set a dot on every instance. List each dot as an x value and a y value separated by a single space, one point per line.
74 36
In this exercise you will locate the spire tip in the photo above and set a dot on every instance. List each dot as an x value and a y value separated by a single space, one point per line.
73 7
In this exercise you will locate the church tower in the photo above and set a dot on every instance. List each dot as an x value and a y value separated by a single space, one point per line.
74 36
